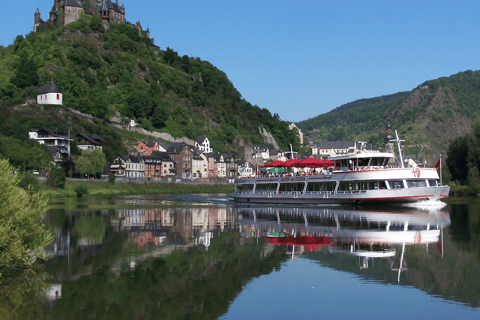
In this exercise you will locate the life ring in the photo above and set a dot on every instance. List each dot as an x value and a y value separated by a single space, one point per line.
416 172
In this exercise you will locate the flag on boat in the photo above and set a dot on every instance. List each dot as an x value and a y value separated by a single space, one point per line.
437 165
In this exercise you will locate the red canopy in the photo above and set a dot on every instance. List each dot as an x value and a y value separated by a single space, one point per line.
292 163
274 164
316 163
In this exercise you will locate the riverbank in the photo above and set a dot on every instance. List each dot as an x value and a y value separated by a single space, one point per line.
105 188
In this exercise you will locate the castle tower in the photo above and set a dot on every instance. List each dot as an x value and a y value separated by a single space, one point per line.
36 21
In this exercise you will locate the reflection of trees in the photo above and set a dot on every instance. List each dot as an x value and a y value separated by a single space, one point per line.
20 291
451 274
185 284
90 228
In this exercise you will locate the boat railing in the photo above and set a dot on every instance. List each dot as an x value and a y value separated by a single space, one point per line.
352 192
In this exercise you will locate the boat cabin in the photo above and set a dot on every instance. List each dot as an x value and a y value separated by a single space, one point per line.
361 161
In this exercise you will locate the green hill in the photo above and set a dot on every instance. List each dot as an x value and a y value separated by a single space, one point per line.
428 117
119 72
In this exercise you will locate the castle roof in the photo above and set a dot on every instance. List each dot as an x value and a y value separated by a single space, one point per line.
72 3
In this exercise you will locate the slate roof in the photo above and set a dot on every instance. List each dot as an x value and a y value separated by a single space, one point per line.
53 132
159 155
91 137
176 147
72 3
50 87
200 139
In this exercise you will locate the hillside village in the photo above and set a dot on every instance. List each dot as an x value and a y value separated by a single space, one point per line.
152 160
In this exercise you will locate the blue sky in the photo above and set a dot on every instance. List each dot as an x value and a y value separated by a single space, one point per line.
304 58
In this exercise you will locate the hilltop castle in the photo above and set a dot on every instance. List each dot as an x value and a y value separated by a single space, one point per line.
66 11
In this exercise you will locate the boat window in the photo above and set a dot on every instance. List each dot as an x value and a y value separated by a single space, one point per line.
245 187
349 186
416 183
266 187
338 163
362 162
433 183
396 184
376 162
376 185
321 186
289 187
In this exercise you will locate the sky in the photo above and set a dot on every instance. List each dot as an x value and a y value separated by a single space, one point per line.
304 58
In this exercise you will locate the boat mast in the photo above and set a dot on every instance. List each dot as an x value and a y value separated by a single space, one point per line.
399 142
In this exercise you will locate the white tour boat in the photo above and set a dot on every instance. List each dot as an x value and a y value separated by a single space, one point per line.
364 177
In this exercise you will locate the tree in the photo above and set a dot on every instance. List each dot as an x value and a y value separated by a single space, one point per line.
26 74
90 162
56 178
23 237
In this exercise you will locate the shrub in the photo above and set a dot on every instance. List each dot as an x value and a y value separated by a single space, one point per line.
29 180
80 190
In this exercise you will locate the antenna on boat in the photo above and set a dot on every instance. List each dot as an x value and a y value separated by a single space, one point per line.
399 142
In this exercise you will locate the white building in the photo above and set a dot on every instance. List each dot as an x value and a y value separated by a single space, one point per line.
202 143
55 142
50 94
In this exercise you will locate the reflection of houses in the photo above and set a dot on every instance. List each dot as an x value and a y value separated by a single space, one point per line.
87 141
182 155
53 141
203 144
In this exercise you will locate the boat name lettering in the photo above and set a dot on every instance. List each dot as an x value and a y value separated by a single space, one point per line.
292 179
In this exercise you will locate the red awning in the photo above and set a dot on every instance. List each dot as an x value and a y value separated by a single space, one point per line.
316 163
274 164
292 163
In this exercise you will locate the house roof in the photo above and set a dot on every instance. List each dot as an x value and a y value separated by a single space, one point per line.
53 132
200 139
149 143
176 147
93 138
49 87
159 155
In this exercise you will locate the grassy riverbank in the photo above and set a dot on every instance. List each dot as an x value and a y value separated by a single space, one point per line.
104 188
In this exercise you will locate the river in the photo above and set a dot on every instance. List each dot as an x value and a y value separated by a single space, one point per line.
202 257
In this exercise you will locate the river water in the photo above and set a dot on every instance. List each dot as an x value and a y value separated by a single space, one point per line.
202 257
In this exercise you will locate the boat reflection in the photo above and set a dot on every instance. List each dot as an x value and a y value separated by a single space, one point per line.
366 234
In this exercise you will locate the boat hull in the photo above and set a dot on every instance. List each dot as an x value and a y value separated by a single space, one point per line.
407 195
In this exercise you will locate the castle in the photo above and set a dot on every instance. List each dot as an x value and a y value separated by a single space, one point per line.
66 11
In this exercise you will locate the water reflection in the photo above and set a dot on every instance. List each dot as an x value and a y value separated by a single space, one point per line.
192 261
363 234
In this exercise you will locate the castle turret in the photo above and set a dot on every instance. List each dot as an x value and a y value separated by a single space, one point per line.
37 20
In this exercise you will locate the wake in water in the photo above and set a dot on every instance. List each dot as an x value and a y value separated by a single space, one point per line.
428 205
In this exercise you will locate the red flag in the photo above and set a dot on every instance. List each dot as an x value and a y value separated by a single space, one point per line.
437 165
403 148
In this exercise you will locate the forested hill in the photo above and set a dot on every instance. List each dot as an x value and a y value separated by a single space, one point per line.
429 116
119 71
